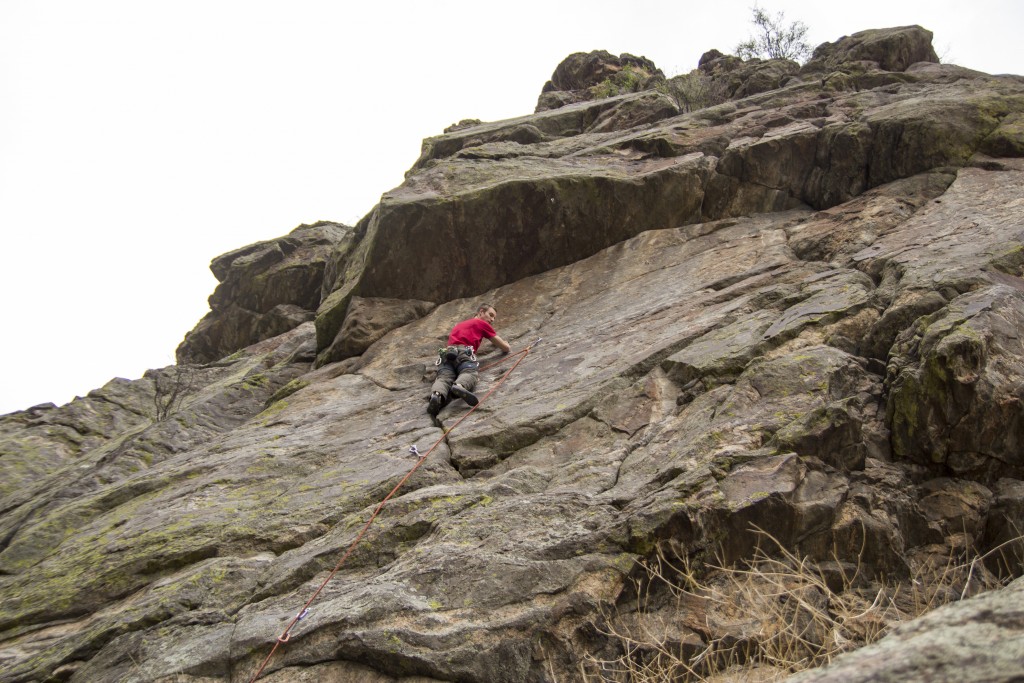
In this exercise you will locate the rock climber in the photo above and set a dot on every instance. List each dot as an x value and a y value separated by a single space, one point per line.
457 364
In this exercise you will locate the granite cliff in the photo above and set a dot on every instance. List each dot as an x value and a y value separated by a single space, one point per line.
774 300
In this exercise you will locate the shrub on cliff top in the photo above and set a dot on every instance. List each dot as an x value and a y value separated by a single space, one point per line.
773 39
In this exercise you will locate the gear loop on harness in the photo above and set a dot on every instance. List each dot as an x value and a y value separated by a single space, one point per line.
455 354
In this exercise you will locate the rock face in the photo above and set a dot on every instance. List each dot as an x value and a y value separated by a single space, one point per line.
266 289
796 311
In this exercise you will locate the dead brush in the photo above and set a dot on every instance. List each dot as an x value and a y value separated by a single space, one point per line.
777 614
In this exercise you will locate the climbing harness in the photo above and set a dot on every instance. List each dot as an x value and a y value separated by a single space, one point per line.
450 354
286 634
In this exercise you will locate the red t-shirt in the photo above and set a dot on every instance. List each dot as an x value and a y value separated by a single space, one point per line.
471 332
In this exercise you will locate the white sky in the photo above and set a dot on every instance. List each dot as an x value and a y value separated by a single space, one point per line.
140 139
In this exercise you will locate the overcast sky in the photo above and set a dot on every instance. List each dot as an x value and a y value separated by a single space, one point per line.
140 139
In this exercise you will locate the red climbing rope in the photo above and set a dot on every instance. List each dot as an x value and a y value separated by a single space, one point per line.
286 634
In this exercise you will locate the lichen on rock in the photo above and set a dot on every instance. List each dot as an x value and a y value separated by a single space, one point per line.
795 312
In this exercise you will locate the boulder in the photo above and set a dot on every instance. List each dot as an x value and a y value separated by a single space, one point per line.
891 49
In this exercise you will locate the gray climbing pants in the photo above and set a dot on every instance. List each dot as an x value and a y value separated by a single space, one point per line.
461 370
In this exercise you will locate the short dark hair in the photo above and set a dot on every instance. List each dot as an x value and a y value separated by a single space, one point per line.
483 307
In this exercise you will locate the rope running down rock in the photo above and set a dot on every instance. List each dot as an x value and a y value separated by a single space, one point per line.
286 634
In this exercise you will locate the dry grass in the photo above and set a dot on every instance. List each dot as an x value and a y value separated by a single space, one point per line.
776 615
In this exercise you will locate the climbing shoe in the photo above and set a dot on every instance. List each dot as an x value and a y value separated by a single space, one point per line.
435 404
467 396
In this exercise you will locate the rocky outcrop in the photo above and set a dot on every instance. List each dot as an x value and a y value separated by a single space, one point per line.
584 76
266 289
795 313
737 78
892 49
